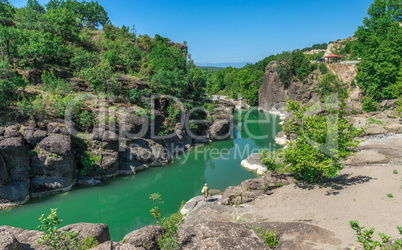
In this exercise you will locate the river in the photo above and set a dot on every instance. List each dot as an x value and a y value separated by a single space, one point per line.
123 202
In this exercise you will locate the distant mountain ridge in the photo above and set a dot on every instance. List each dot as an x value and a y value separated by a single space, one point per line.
223 64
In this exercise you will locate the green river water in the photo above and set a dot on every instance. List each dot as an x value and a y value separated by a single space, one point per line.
123 202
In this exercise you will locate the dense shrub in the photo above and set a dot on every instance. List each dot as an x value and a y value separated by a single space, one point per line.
323 68
322 139
10 82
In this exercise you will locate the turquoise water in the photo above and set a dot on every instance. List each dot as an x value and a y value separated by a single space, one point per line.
123 202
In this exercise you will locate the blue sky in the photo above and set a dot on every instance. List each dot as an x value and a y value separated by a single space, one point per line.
238 30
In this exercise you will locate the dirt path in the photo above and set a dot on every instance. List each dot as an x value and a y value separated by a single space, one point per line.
359 193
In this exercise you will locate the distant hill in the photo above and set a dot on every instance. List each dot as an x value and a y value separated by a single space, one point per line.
210 68
223 64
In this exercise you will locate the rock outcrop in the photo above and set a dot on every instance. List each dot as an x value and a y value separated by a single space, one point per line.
273 93
253 163
17 238
100 232
145 238
251 189
46 158
26 238
53 166
219 235
8 241
15 161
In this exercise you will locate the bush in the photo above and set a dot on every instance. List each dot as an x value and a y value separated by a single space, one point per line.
273 160
322 140
269 237
171 224
61 240
54 84
83 59
292 65
330 84
41 107
9 83
54 238
365 238
369 104
85 119
323 68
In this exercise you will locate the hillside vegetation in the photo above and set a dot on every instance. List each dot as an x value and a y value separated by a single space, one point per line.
52 53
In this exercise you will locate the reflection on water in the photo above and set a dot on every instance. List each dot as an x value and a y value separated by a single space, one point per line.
123 203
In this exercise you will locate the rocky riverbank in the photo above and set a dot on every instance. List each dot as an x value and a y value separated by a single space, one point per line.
39 159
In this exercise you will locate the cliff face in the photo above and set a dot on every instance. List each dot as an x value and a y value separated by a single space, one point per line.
40 159
273 93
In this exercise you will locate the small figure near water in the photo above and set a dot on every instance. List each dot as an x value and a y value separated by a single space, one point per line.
205 191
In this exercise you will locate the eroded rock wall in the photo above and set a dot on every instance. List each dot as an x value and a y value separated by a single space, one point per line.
273 93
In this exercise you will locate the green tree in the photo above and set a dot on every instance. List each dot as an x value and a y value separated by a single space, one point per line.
54 238
41 47
63 23
196 79
53 4
292 65
10 40
170 82
379 45
322 139
10 81
164 57
27 18
171 225
6 13
34 5
94 15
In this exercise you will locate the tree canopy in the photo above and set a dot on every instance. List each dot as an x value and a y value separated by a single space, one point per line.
379 45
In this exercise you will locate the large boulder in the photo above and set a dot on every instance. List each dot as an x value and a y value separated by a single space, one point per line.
27 238
232 195
53 166
105 139
219 235
109 161
12 131
8 241
251 189
146 152
99 231
130 125
145 237
57 128
33 136
57 144
236 195
104 152
15 191
16 158
220 130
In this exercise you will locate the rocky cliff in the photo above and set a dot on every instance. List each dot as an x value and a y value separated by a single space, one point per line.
39 159
273 93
